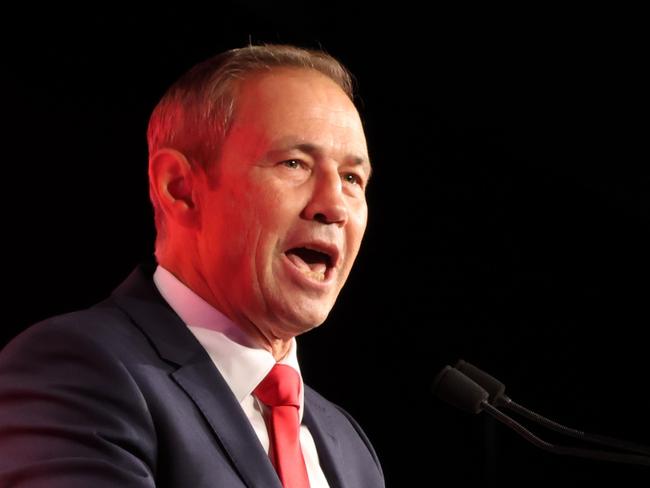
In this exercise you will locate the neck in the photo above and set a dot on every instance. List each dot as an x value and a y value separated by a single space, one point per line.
190 277
280 349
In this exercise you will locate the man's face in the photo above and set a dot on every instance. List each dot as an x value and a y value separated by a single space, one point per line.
285 210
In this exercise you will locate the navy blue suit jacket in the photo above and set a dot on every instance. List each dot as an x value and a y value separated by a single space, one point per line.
123 395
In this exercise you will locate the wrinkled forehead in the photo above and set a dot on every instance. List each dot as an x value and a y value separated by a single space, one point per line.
291 91
303 106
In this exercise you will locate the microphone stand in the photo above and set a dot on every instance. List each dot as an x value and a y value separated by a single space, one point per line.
458 389
565 450
498 398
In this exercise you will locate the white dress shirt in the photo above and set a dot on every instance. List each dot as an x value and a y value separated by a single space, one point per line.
241 362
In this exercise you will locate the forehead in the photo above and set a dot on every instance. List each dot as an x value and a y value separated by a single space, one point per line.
299 104
276 83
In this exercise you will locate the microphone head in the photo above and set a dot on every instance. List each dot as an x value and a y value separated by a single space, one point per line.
453 387
494 387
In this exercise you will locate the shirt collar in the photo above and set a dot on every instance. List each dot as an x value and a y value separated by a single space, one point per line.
241 362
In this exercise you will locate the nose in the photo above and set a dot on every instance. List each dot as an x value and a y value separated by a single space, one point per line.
327 203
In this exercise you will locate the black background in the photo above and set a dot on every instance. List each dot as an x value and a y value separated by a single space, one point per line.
509 210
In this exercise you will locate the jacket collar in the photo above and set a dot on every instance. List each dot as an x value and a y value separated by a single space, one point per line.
318 421
139 298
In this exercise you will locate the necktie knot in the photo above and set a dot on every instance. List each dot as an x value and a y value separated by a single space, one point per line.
281 387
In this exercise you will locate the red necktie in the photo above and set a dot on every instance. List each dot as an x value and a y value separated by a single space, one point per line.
280 392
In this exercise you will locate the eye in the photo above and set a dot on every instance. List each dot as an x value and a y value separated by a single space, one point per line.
292 163
353 178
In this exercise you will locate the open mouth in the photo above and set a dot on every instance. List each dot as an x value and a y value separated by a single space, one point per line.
311 262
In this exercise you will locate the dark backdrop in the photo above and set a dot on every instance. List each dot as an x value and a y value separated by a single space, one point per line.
509 210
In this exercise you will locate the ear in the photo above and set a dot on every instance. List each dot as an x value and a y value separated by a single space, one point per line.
174 184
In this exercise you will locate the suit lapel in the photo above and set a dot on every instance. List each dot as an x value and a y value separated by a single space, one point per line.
209 391
320 426
196 375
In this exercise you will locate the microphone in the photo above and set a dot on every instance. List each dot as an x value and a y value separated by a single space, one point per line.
458 389
498 398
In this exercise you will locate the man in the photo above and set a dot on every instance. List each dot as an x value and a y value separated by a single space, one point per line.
258 167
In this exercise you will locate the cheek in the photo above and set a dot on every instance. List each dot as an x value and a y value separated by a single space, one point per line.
261 222
276 210
228 232
358 222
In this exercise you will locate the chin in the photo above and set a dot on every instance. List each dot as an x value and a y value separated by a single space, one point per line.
297 323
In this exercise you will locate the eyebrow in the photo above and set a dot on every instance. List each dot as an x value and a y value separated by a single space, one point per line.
315 150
